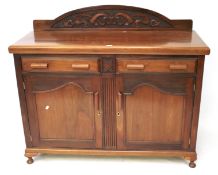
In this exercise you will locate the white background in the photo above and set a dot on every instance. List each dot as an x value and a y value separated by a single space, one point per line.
16 20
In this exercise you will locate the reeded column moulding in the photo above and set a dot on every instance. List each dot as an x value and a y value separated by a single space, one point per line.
110 81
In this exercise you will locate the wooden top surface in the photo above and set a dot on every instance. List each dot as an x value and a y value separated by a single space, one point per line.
113 42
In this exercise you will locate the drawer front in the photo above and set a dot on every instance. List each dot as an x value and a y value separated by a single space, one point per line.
51 64
166 65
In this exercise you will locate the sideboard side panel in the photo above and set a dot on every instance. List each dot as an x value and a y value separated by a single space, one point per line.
197 101
22 97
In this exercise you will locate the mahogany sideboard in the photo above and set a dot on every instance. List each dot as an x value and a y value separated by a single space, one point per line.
110 81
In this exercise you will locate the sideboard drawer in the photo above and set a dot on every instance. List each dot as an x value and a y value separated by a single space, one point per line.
166 65
54 64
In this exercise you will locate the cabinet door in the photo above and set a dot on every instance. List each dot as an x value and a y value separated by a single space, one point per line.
154 111
64 111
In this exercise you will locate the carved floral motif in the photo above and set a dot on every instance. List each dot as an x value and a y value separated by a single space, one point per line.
111 19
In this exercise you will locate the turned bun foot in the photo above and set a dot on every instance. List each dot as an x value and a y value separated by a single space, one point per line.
30 156
192 164
30 160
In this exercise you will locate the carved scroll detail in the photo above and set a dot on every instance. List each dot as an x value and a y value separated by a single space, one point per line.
112 17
